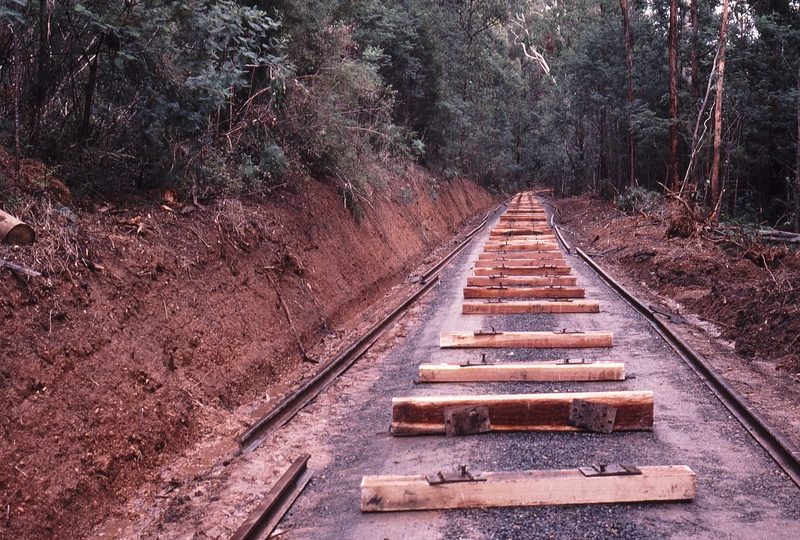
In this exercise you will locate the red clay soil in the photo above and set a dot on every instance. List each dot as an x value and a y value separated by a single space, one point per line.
750 290
145 316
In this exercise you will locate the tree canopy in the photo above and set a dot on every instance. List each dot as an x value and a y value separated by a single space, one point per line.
228 96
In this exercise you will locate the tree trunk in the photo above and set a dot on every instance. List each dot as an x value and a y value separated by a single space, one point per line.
602 165
17 146
674 159
87 110
797 163
716 189
626 26
695 31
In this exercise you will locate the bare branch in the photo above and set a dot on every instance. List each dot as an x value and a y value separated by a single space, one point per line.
528 50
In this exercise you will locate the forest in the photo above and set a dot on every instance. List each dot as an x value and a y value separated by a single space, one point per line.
627 100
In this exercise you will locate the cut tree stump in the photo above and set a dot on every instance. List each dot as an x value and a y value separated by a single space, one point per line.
14 231
523 372
517 307
536 340
520 281
527 488
524 292
520 412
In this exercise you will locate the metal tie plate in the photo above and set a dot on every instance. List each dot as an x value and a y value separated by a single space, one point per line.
610 469
491 332
574 361
482 362
452 477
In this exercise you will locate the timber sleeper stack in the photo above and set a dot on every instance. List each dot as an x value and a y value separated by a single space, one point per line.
522 271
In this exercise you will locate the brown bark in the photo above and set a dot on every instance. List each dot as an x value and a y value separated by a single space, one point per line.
521 412
716 188
674 158
626 26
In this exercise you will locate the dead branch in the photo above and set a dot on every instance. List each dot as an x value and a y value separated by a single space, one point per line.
528 50
19 269
672 195
306 356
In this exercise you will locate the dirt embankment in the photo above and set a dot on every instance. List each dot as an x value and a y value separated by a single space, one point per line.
145 317
751 291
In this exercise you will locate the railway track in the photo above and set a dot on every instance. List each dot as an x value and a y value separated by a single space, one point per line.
666 418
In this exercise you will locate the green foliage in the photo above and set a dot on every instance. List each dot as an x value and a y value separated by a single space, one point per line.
227 96
143 89
11 12
636 199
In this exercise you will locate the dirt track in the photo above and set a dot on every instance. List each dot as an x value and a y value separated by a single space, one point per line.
740 492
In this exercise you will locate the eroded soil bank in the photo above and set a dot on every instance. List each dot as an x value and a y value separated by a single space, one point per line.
145 318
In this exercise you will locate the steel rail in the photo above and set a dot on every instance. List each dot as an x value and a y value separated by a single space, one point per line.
777 445
269 512
434 270
284 411
560 236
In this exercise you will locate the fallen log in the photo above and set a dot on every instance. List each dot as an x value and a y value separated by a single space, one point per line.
526 488
534 340
518 307
15 232
523 372
520 412
780 239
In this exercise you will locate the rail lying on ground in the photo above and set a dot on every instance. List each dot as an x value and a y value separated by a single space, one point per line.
780 448
294 403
